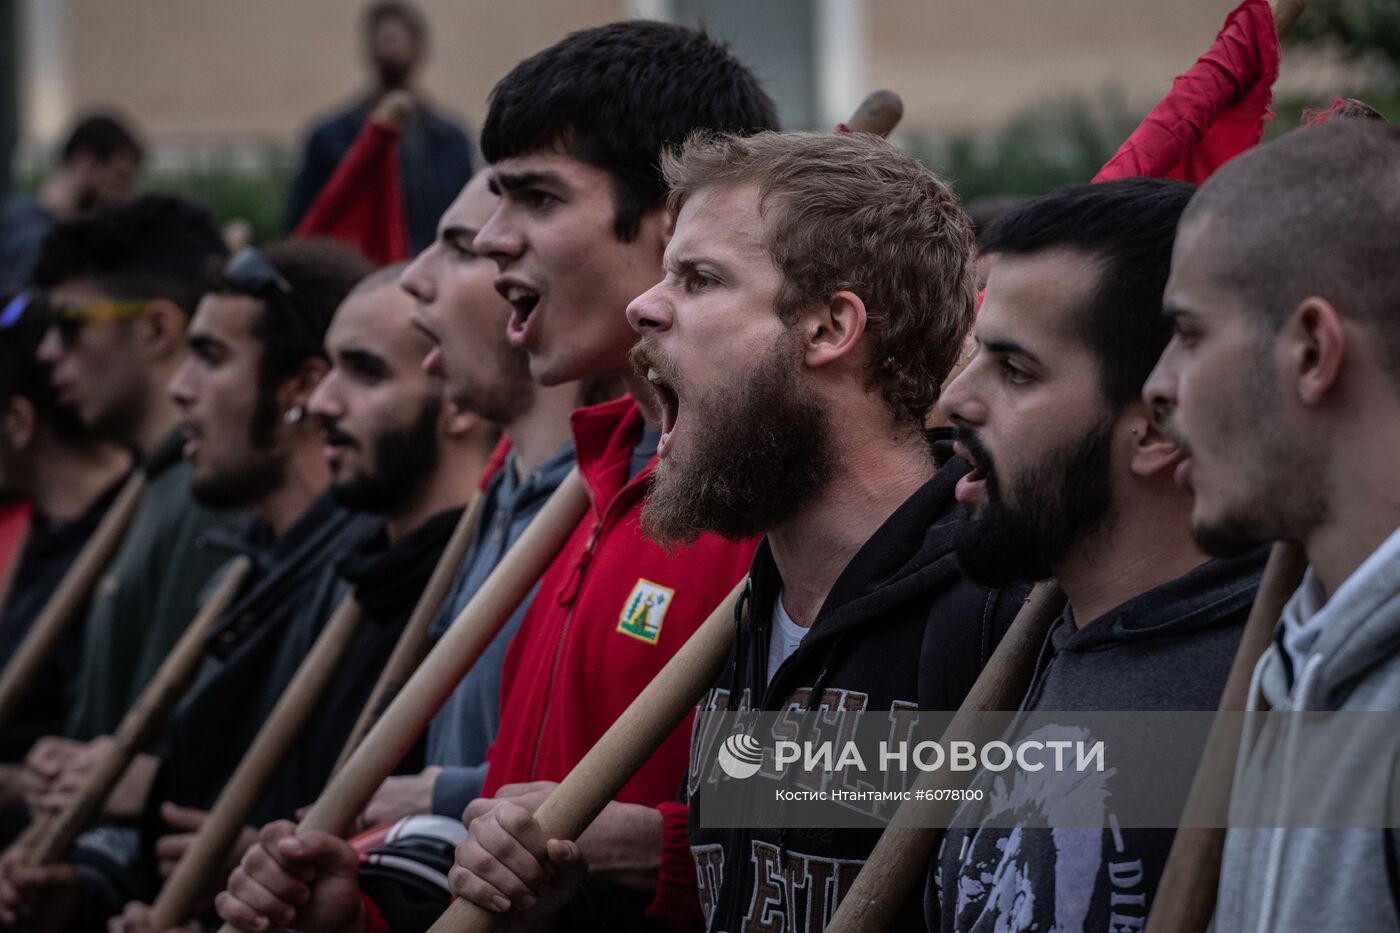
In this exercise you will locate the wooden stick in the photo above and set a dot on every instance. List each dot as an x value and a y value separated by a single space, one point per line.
879 113
902 855
415 642
141 724
661 706
283 726
447 663
68 600
449 660
1186 895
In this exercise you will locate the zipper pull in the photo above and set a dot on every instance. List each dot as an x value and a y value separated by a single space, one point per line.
571 589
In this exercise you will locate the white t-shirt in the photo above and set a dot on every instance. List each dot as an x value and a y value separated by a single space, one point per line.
787 635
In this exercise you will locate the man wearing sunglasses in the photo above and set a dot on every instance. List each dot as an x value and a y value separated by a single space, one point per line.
71 477
123 282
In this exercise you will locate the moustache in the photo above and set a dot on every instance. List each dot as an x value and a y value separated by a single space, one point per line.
337 437
982 457
1175 436
644 356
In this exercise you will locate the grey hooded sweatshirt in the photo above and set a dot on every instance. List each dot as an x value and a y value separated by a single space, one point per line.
1339 654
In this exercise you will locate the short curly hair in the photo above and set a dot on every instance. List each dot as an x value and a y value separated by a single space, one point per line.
852 212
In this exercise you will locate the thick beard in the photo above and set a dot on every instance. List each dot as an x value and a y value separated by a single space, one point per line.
761 450
1055 506
401 460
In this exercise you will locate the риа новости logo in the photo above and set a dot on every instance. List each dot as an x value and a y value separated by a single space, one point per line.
740 756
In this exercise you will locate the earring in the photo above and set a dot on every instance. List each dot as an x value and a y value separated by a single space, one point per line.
294 414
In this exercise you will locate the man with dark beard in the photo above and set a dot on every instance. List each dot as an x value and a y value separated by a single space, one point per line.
793 404
255 356
398 450
1073 477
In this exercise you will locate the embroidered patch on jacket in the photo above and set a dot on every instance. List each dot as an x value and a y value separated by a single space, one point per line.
645 610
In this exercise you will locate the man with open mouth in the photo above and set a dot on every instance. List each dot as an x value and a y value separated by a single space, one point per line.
1281 375
1073 477
574 135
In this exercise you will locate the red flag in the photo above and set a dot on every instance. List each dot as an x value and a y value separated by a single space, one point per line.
1214 111
361 204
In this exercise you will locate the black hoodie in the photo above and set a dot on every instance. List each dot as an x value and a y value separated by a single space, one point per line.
901 628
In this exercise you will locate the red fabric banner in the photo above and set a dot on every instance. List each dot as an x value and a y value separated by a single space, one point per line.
362 204
1214 111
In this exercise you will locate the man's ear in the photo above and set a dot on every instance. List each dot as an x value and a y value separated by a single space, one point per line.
457 423
1152 450
832 329
656 225
1314 342
161 329
20 423
296 391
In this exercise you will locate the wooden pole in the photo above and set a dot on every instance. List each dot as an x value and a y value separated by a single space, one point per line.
447 663
415 642
661 706
1186 895
284 725
141 724
879 113
902 855
68 600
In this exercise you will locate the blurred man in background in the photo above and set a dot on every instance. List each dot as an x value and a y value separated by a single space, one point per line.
71 477
435 155
98 164
123 283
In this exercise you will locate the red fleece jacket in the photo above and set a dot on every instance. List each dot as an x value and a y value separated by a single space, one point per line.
589 645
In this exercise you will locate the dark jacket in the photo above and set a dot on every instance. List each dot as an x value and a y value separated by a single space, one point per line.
219 715
148 595
48 552
255 653
435 162
902 626
1167 649
235 688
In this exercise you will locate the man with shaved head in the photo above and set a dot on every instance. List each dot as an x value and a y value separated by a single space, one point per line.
1282 381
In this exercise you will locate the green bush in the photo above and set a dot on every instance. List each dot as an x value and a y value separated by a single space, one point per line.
1052 143
257 195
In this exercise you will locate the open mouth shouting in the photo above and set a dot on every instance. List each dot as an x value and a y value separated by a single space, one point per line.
193 434
520 329
669 403
972 488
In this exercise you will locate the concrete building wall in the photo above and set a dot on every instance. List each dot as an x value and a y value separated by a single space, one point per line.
202 70
214 72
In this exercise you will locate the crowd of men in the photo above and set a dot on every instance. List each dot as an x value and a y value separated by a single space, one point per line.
749 345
